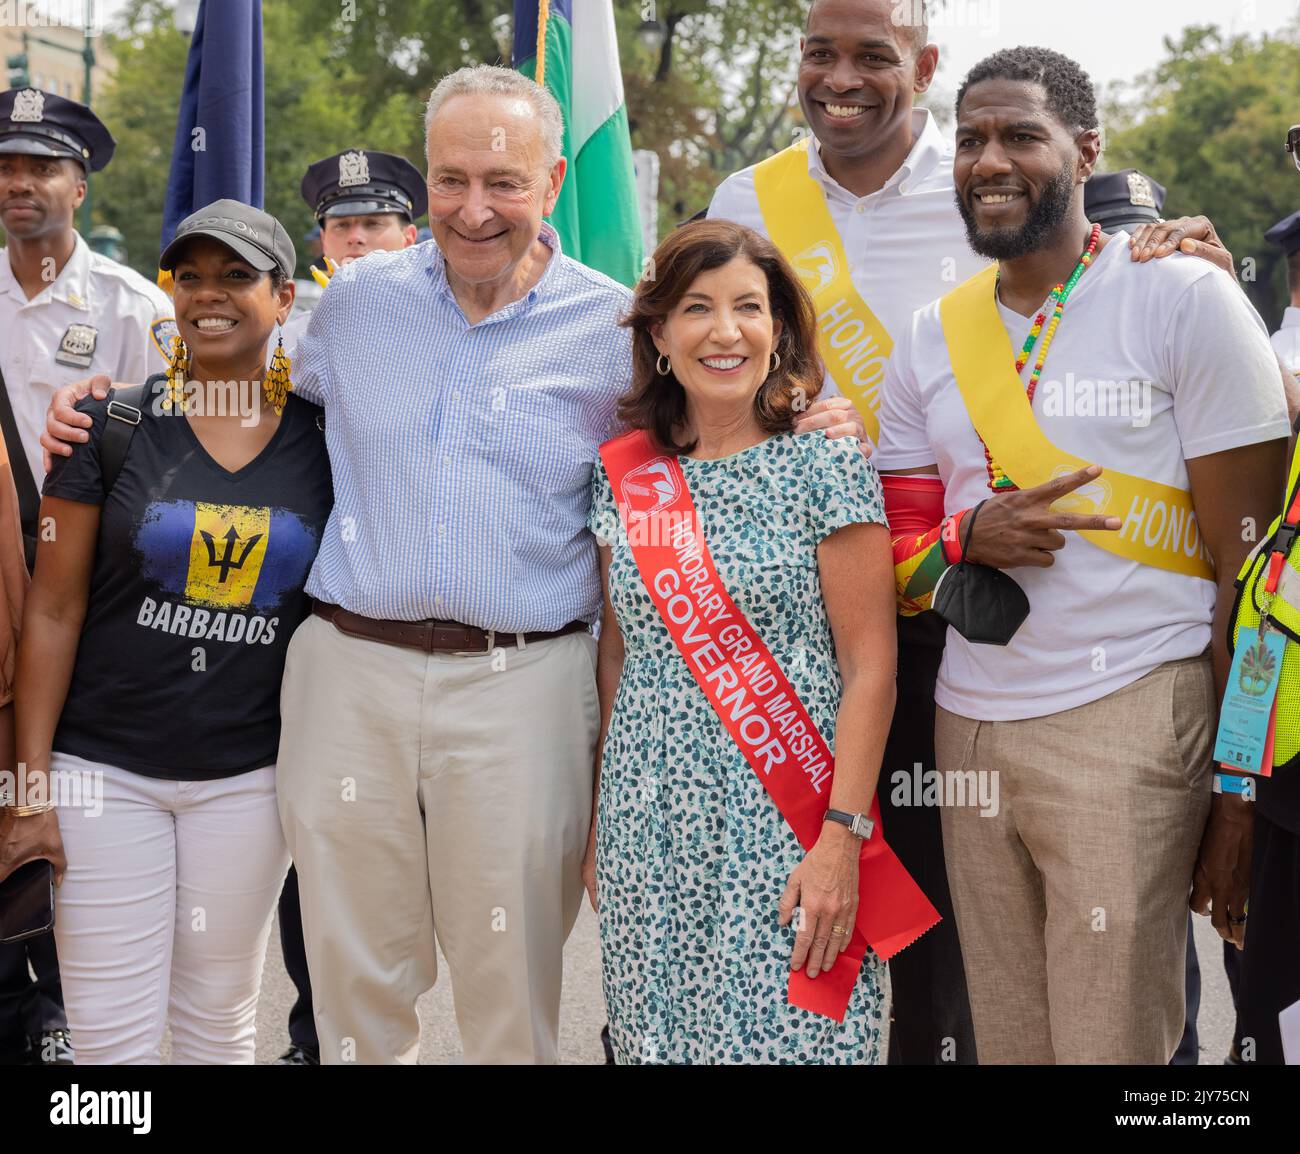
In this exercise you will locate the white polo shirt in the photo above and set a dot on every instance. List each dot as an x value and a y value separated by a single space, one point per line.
906 243
1286 341
1192 375
97 316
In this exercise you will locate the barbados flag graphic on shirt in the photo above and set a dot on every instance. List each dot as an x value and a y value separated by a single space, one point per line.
225 556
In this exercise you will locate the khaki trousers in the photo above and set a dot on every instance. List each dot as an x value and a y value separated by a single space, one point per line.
1071 902
436 791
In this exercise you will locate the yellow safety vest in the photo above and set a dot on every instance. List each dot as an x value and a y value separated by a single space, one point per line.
1284 616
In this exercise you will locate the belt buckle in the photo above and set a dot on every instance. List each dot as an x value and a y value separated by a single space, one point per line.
491 645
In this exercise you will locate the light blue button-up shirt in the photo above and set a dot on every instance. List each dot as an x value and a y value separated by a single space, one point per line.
462 454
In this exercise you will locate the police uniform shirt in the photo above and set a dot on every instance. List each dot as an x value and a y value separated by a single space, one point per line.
1286 341
291 332
294 327
97 316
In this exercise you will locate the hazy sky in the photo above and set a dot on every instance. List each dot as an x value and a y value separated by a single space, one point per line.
1112 39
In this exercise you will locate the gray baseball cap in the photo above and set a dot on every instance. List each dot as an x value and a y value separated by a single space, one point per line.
254 235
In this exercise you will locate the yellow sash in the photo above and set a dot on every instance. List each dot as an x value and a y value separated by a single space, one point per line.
1160 526
853 343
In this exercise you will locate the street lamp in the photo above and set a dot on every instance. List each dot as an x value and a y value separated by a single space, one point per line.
652 34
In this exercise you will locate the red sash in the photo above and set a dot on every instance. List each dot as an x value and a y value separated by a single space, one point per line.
756 704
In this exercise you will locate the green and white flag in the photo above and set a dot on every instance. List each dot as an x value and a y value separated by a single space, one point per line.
597 215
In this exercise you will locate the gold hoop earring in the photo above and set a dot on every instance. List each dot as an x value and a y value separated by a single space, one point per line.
663 366
276 385
776 363
178 369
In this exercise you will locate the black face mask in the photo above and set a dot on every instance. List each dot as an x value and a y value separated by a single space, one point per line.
983 604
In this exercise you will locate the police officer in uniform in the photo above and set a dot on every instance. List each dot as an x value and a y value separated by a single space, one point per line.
65 312
363 201
1286 341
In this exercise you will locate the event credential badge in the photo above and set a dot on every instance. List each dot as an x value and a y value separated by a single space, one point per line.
1246 719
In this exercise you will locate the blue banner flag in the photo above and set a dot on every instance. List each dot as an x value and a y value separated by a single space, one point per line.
218 148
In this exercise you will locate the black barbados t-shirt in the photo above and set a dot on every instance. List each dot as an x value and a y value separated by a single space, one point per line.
196 589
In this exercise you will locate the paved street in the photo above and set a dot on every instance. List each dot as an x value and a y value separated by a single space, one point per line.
584 1014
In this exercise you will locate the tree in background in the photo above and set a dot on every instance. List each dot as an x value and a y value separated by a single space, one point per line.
139 106
717 95
1208 123
313 108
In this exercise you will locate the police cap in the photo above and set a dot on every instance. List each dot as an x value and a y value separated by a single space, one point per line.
40 123
1123 199
358 182
1286 233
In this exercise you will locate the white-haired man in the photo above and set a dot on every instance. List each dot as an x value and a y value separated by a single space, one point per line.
439 710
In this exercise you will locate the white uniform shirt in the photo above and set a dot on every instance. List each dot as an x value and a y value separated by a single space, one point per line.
292 331
1286 341
97 316
1187 371
906 243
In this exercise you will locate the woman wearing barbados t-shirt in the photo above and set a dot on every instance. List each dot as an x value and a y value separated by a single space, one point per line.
150 663
697 870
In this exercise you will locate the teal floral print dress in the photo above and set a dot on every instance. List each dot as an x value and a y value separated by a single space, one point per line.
692 854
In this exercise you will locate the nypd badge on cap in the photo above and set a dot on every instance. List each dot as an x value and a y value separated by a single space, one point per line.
40 123
359 182
354 169
1122 199
29 107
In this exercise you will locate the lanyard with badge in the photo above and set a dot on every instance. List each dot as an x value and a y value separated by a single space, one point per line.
1248 717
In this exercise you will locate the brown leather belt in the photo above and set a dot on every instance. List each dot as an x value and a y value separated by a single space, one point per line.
430 636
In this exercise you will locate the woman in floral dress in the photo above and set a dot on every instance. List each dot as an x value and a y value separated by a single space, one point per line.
693 868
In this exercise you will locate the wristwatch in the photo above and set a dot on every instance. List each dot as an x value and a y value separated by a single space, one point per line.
860 825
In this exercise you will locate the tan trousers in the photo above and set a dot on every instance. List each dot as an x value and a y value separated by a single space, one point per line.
1071 902
420 791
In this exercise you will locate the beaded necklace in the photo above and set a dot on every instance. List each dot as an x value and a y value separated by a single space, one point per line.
999 482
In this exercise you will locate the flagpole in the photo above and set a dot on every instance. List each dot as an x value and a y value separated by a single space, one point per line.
543 14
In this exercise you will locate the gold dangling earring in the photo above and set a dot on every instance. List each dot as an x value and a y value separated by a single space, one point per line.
774 363
663 366
178 369
277 385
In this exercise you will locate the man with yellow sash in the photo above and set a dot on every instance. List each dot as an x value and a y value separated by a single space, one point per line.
1103 430
863 208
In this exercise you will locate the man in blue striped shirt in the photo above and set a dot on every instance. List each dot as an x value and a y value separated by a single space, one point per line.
439 711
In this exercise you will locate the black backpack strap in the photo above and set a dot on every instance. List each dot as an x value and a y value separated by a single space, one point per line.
29 496
125 411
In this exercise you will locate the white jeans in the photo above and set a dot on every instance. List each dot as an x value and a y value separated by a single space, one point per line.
164 913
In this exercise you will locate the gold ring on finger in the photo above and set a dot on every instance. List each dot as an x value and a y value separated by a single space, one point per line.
839 931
